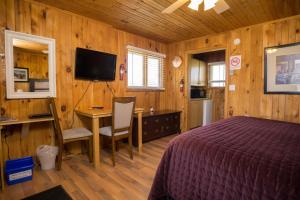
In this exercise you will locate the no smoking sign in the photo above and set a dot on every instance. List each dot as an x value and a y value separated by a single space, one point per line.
235 62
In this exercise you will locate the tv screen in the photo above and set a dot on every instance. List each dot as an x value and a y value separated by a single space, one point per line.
95 65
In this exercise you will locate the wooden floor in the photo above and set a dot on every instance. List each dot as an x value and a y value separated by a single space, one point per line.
130 179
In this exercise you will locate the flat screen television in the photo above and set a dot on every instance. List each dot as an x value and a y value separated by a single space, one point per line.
95 65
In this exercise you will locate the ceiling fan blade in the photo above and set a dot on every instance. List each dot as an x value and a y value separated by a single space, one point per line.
174 6
221 6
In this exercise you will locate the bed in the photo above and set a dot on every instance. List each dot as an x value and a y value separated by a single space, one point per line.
237 158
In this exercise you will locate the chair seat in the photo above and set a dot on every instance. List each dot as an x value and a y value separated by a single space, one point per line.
76 133
107 131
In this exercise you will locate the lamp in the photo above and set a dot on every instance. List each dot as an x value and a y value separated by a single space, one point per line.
195 4
208 4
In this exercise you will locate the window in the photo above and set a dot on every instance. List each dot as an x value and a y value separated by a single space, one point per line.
217 74
144 69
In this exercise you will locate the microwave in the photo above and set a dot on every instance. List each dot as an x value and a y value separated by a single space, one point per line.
198 93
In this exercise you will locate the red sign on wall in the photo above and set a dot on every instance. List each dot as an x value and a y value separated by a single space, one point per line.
235 62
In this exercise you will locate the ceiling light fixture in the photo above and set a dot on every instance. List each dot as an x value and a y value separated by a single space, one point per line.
195 4
208 4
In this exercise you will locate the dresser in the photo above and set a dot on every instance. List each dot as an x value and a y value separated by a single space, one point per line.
157 124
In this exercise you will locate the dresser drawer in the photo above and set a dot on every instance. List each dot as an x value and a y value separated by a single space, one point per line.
156 126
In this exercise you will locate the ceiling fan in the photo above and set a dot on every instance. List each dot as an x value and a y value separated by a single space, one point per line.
218 5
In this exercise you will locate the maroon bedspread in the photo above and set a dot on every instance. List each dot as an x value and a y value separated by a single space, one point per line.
238 158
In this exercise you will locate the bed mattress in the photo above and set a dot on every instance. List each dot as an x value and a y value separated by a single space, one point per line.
237 158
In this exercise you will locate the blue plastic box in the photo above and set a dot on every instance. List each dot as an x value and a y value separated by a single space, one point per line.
19 170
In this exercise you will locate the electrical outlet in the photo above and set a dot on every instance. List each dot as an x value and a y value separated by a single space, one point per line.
231 87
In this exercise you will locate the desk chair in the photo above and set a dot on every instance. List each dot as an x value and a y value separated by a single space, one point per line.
122 117
69 135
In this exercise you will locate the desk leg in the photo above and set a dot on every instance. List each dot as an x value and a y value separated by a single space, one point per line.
96 143
140 132
1 161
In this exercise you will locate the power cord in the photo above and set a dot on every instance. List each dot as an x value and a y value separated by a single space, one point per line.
7 146
79 100
110 89
5 140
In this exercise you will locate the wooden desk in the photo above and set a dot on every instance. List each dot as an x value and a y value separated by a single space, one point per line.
25 129
95 115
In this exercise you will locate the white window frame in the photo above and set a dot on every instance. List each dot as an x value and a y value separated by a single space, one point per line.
146 53
219 81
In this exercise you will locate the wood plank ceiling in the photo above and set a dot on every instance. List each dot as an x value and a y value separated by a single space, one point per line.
144 17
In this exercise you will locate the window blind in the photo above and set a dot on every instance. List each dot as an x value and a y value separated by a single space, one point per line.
217 74
145 69
135 69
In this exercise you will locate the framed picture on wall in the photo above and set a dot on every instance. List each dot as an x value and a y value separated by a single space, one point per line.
282 69
21 74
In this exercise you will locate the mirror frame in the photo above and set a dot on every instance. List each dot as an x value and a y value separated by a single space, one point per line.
9 57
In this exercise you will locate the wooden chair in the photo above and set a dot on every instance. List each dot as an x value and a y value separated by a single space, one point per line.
69 135
122 117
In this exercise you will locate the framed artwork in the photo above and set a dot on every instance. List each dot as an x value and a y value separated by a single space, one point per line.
282 69
20 74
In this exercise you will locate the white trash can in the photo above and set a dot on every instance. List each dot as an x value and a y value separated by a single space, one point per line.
47 155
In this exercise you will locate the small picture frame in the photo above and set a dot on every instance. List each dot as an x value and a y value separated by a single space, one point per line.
282 69
21 74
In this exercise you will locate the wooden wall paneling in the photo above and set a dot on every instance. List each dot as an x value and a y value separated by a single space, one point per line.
176 74
70 31
179 100
227 108
122 59
266 104
249 98
150 98
256 70
284 102
290 35
244 79
8 105
79 36
62 34
10 13
234 79
78 31
279 101
218 97
3 23
19 109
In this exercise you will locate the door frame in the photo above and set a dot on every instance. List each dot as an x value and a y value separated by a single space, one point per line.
187 78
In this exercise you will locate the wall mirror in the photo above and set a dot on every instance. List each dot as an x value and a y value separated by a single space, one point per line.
30 66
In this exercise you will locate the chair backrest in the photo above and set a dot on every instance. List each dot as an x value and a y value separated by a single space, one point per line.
122 113
57 127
